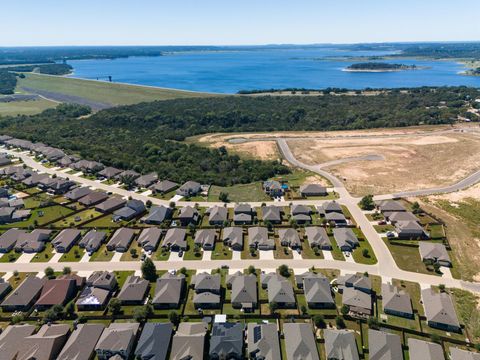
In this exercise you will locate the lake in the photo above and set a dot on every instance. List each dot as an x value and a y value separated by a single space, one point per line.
229 71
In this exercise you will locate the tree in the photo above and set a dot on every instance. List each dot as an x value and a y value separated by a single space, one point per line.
273 306
70 310
49 273
115 306
53 314
15 274
141 313
416 209
441 287
284 270
128 181
340 322
223 196
183 271
149 270
251 269
303 309
365 253
345 310
367 202
319 321
67 270
173 317
148 203
134 253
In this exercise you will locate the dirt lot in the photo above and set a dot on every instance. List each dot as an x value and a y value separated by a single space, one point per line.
416 162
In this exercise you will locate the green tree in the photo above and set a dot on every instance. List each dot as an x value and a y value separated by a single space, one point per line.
319 321
303 309
134 253
365 253
251 269
273 306
67 270
149 270
223 196
115 306
284 271
141 313
340 322
173 317
367 202
345 310
416 209
49 273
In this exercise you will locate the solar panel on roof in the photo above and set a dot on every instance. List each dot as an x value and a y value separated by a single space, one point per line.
257 334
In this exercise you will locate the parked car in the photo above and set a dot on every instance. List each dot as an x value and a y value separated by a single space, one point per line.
390 234
382 222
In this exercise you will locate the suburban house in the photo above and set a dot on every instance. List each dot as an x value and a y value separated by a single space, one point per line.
80 281
92 240
358 302
329 207
5 288
154 341
93 299
358 282
45 344
397 216
207 291
133 291
424 350
289 237
11 339
77 193
460 354
163 187
410 230
117 339
244 292
81 343
272 214
64 241
231 236
226 341
32 242
175 239
109 172
258 238
103 280
188 215
396 302
56 291
280 291
383 345
313 190
93 198
440 311
189 341
9 238
24 295
340 344
205 238
434 252
345 238
130 174
145 181
35 179
317 237
87 166
65 161
302 214
110 205
262 341
169 290
59 186
217 215
336 219
121 240
299 340
243 214
157 215
149 238
318 292
273 188
389 206
132 209
265 278
190 188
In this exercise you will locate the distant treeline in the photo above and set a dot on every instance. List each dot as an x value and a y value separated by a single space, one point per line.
380 66
443 50
147 136
8 81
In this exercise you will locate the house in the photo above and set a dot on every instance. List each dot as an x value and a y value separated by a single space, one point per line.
280 291
154 341
226 341
272 214
32 242
336 219
9 238
64 241
382 345
87 166
389 206
460 354
302 214
46 344
149 238
93 198
35 179
258 239
231 236
11 339
217 215
345 238
244 292
6 214
24 295
175 239
189 341
262 341
81 343
329 207
242 214
110 205
318 292
132 209
205 238
188 215
130 174
410 230
93 299
207 291
313 190
133 290
289 237
190 188
109 172
440 311
340 344
145 181
80 281
77 193
102 280
265 278
424 350
60 186
168 291
5 288
117 339
16 203
163 187
92 241
358 302
317 237
397 216
396 302
273 188
358 282
21 215
64 162
121 240
299 341
158 215
435 253
56 291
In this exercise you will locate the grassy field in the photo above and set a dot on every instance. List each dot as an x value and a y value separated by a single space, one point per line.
25 107
239 193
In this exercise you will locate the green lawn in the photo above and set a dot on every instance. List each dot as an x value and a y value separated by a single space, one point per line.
127 256
45 255
10 257
122 277
25 107
78 218
239 193
221 252
407 258
42 216
357 254
466 304
190 254
74 255
102 254
105 222
161 254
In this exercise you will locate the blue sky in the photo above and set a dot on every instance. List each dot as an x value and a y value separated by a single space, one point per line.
226 22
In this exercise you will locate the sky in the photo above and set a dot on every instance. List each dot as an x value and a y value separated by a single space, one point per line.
240 22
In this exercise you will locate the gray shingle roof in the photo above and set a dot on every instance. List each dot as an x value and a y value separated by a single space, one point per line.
299 342
317 236
439 308
117 337
81 343
244 289
175 237
433 251
168 289
232 235
149 238
357 300
262 340
317 290
384 346
423 350
134 289
460 354
280 291
189 341
396 300
345 237
340 344
226 340
154 341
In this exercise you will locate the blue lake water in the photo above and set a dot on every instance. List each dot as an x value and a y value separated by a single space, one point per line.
249 69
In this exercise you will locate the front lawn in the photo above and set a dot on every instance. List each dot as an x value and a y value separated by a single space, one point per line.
78 218
74 255
45 255
102 254
137 251
239 193
358 255
407 258
190 254
10 257
221 252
